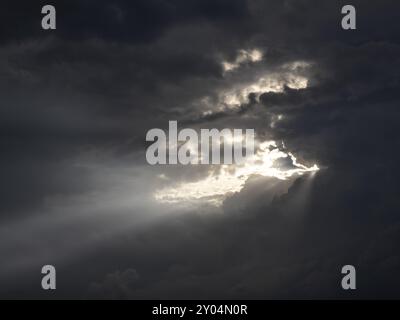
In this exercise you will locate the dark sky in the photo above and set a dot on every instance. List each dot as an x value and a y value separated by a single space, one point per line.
76 190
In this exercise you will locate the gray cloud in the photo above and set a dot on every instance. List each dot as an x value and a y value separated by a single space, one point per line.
75 108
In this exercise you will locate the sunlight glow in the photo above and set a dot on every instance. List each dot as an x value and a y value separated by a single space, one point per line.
268 161
243 56
233 98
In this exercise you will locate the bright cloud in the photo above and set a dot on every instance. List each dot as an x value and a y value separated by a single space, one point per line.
270 83
268 161
244 56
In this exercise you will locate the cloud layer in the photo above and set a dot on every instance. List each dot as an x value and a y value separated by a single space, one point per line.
76 190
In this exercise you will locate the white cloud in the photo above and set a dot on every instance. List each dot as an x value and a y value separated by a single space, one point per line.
244 56
231 178
269 83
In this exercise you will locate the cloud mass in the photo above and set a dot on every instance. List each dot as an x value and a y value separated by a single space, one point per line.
319 193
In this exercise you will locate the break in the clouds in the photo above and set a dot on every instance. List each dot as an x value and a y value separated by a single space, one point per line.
268 161
77 192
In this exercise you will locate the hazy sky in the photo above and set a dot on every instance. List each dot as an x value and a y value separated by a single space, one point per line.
76 190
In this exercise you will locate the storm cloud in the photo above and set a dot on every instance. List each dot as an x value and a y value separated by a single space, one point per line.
77 192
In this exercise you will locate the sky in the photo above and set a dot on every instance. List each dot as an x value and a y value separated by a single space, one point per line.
321 192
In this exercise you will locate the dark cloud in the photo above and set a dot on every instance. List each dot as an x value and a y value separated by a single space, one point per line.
135 22
76 104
